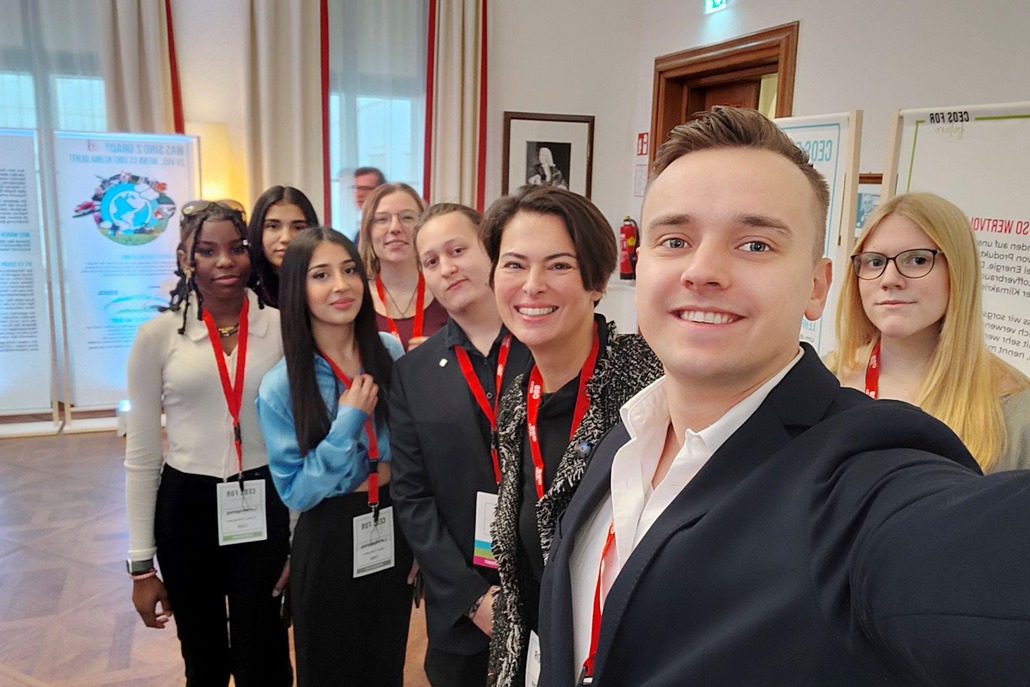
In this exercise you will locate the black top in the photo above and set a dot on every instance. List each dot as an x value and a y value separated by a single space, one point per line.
554 426
485 368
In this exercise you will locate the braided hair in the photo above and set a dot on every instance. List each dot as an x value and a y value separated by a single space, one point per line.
189 228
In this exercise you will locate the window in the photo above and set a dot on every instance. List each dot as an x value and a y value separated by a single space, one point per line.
17 100
377 96
47 61
79 103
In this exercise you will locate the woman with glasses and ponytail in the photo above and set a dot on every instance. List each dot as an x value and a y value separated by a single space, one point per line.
323 411
206 507
910 328
404 306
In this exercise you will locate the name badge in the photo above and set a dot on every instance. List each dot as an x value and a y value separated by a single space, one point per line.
241 512
533 660
373 543
482 547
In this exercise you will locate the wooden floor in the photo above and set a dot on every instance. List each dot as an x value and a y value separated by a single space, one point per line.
66 615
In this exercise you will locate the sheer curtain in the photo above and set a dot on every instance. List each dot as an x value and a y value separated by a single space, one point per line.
377 96
137 67
458 118
51 67
283 92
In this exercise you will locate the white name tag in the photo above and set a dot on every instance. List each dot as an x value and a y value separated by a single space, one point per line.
482 547
533 660
241 512
373 543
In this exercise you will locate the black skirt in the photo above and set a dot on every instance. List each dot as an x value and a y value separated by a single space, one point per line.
347 631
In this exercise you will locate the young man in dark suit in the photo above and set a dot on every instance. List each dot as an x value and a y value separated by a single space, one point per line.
444 479
751 522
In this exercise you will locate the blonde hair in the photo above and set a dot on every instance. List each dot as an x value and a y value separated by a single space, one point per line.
965 380
368 211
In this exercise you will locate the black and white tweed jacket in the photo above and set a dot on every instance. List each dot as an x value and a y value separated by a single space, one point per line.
627 365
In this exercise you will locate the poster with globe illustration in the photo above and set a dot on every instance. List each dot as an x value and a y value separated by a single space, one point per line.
118 201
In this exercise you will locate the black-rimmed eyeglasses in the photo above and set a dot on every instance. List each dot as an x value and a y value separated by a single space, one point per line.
913 264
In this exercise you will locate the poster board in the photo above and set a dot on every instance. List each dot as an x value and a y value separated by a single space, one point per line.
833 143
978 157
117 198
26 336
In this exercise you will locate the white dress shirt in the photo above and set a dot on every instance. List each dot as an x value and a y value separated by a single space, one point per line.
635 503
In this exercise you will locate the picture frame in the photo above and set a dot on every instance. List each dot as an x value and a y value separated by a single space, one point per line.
548 149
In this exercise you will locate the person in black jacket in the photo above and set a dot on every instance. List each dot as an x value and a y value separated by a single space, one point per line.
751 522
444 470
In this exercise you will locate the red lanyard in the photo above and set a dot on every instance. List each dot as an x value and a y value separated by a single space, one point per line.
535 391
373 445
233 392
587 674
420 302
872 372
477 391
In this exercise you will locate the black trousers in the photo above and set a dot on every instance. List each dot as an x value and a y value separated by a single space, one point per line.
347 631
200 576
445 669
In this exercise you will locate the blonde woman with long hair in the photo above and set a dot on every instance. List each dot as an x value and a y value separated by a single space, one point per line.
910 328
404 306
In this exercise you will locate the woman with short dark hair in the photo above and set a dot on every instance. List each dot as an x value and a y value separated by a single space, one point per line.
552 253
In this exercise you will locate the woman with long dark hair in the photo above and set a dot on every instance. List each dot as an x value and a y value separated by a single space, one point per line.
207 507
280 213
323 410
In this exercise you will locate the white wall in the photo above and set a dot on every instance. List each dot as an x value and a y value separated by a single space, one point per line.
567 57
570 57
210 39
874 55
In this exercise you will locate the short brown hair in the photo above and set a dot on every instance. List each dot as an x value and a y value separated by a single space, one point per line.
368 254
737 127
596 250
441 209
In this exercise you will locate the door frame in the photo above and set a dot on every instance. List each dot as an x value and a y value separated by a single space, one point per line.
762 52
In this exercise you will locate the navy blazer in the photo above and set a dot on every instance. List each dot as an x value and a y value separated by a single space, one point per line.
440 460
832 540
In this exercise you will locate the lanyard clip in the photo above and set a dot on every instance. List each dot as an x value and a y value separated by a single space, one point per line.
584 679
375 513
237 434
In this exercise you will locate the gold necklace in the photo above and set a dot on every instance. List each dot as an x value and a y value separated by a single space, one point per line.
226 332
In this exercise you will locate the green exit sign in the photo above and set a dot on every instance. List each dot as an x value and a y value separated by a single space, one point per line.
714 5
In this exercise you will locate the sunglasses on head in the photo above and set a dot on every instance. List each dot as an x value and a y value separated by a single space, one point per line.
195 207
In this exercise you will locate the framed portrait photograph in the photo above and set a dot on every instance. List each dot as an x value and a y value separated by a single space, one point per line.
547 150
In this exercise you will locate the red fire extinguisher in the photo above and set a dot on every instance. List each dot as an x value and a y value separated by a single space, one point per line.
628 240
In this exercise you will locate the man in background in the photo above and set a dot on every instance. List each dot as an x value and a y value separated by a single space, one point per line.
366 180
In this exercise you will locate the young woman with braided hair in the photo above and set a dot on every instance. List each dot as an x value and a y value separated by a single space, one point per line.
207 507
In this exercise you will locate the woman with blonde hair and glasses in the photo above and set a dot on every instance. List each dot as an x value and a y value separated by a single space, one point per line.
404 306
910 327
